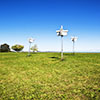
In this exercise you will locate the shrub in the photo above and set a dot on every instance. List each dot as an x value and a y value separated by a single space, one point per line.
4 48
17 47
34 48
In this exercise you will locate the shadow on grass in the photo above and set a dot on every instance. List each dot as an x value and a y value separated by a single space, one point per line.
28 55
54 58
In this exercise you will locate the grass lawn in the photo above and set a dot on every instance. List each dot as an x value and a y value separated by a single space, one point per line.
43 76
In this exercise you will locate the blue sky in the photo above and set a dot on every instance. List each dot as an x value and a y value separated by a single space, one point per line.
22 19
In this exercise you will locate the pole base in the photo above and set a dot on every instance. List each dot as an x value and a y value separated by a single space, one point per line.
28 55
62 59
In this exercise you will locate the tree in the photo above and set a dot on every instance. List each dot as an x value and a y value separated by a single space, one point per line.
34 48
17 47
4 48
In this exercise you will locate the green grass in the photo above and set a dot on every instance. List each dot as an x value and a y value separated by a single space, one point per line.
43 76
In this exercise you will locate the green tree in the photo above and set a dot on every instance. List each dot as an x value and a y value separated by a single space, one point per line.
34 48
17 47
4 48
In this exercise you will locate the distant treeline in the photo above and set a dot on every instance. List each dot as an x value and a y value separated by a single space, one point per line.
6 48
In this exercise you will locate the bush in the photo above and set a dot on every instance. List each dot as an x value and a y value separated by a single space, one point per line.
17 47
4 48
34 48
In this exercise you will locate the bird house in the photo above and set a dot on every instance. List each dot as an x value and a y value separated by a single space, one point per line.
31 40
74 39
61 32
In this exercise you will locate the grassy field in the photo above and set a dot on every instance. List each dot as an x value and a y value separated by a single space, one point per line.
43 76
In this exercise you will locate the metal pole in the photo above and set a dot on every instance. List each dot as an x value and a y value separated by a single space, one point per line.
29 49
61 47
73 47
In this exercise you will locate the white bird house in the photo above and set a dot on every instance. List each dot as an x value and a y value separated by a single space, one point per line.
74 39
61 32
31 40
